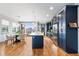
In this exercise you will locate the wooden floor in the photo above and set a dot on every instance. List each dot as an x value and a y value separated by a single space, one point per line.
25 49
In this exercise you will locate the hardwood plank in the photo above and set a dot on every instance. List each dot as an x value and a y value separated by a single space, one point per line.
24 48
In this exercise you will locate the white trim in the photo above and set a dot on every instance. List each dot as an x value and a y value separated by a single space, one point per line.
61 9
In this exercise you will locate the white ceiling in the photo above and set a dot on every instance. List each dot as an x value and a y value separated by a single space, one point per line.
30 11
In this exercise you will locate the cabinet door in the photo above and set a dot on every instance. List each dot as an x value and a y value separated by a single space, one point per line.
37 41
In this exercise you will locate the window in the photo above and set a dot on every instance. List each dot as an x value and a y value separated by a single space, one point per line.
5 22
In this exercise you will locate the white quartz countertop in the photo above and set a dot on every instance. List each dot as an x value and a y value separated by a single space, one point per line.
36 33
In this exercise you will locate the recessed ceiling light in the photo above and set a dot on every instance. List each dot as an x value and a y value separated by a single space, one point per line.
51 8
47 15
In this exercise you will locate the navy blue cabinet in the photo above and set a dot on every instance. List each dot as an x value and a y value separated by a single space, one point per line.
68 37
37 41
71 33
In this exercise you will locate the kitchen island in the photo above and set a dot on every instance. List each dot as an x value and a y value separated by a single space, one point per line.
37 40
